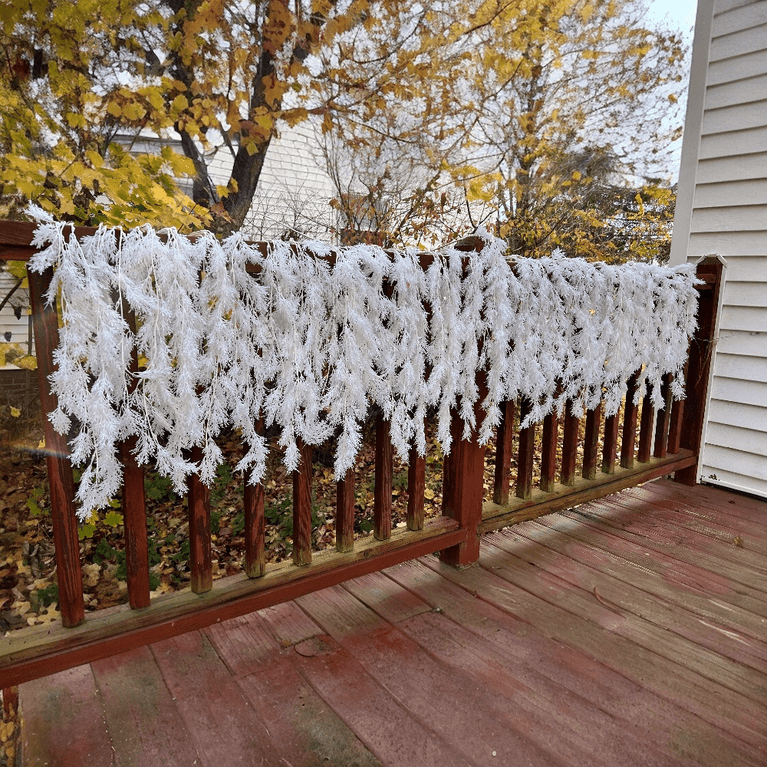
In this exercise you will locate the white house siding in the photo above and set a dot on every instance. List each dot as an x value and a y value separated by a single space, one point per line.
294 190
13 329
722 209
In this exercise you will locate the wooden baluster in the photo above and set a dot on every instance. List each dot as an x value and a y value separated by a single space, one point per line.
664 417
628 440
591 442
345 512
384 473
134 519
524 488
302 507
463 478
675 423
503 448
699 365
200 557
549 452
645 430
62 487
416 486
569 447
134 503
610 446
255 526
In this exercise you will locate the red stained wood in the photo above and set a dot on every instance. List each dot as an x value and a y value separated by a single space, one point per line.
302 508
579 620
200 559
610 445
416 486
270 679
462 493
549 452
253 506
223 726
503 449
699 363
134 519
133 503
675 425
648 621
401 667
663 420
63 519
569 447
645 430
117 630
591 442
384 473
630 412
64 721
541 647
345 512
526 454
255 552
144 723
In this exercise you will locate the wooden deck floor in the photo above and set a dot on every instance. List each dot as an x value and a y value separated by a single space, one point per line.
630 631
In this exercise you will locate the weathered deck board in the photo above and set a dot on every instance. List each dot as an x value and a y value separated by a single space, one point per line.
628 631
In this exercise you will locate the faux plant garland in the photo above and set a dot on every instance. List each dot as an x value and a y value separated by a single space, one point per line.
311 346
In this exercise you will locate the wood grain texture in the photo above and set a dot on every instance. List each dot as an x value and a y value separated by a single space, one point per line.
569 447
591 442
44 650
416 487
525 454
134 519
549 439
302 508
663 420
384 475
610 444
200 546
630 412
60 479
462 493
345 512
503 452
644 447
134 501
254 531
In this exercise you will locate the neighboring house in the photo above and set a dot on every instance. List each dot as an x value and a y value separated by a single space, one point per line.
294 190
722 209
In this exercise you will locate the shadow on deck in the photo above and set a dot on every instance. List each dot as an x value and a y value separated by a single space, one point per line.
628 631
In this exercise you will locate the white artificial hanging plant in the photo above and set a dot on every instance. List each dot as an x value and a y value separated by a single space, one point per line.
310 338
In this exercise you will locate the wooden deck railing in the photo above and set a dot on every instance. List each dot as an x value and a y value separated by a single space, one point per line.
668 441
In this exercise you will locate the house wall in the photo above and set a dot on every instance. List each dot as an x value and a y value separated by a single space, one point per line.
722 210
294 189
13 329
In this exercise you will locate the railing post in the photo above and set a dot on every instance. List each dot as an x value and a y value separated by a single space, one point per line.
699 365
463 487
62 486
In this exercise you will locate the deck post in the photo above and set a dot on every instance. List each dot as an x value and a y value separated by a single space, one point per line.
699 365
463 487
61 481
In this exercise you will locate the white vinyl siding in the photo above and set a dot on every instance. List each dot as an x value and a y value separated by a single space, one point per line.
724 182
13 329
